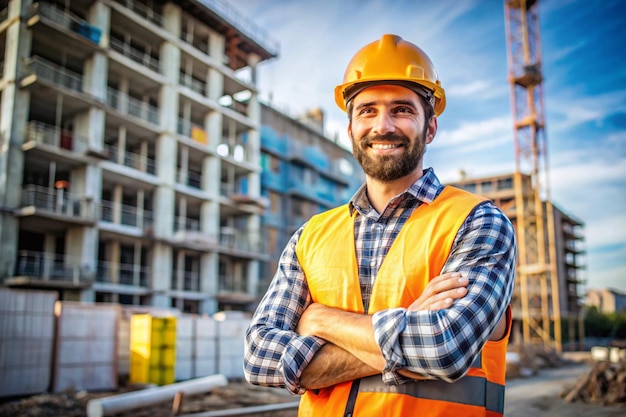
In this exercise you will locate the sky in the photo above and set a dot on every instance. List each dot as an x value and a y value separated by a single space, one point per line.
584 90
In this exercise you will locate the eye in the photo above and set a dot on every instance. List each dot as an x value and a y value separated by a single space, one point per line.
403 109
366 110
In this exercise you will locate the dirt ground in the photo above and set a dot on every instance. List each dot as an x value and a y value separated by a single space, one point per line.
74 404
536 396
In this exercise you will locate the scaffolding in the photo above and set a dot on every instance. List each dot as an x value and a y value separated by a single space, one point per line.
536 270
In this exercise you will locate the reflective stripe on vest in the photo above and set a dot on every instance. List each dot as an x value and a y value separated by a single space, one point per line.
469 390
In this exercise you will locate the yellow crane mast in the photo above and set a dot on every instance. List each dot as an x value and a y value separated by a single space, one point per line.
537 294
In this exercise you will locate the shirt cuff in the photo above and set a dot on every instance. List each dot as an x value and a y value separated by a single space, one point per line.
297 355
388 325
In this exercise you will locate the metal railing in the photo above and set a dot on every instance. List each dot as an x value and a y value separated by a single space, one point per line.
128 51
53 14
124 214
228 283
4 14
132 106
124 274
186 128
55 136
184 223
58 201
245 25
190 179
192 83
241 240
131 159
52 267
55 74
187 281
199 45
143 11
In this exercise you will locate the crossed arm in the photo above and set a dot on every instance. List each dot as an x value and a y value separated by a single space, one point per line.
352 351
298 344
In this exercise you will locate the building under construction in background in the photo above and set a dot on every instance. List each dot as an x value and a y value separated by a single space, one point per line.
303 173
569 245
130 152
550 244
137 165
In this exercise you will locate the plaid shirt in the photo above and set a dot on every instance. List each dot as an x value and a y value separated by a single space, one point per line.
438 344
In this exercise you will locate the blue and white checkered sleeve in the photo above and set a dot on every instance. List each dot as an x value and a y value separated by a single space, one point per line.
274 354
442 344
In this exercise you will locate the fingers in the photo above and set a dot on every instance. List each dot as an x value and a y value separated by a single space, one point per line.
441 292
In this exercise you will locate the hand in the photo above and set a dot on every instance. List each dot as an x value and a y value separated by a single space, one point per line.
440 292
308 319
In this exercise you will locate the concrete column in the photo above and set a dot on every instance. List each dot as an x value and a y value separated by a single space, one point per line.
254 228
82 242
117 204
215 81
99 15
170 67
209 261
172 18
90 125
161 272
254 179
114 254
209 278
215 84
14 106
213 127
95 76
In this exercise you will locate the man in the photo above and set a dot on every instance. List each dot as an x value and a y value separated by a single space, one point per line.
397 303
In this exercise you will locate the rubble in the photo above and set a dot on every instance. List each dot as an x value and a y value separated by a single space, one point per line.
524 361
236 394
604 384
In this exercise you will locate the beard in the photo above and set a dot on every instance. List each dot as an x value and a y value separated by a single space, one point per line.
387 168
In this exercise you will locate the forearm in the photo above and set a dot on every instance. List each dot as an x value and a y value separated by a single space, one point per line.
333 365
351 332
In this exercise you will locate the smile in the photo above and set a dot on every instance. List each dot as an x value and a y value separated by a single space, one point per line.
385 145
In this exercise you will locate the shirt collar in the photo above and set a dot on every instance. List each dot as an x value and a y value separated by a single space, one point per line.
425 189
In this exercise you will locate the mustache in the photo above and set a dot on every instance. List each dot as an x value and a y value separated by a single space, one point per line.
391 137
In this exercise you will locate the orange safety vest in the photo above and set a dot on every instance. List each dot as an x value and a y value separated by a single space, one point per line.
327 255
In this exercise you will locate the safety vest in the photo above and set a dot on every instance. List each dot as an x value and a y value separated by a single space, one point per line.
327 255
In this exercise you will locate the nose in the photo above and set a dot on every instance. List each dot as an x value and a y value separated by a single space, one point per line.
383 124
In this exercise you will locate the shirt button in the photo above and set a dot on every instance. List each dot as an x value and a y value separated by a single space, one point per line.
372 263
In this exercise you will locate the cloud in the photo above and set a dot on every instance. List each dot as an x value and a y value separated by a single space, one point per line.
573 108
477 133
479 91
583 91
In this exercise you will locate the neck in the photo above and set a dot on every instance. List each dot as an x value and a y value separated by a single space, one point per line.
380 193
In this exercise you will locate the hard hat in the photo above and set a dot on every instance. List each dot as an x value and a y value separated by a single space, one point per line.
391 60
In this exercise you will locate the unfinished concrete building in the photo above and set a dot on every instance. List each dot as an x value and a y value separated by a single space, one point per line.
129 157
304 173
569 251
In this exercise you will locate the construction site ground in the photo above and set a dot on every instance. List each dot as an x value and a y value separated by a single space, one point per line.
539 395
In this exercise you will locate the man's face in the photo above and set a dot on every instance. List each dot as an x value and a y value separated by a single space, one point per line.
388 132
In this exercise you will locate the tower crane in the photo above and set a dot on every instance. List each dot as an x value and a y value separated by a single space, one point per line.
537 294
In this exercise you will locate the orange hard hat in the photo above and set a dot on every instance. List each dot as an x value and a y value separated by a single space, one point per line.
391 60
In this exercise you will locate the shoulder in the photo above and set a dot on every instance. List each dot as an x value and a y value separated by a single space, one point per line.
490 222
321 219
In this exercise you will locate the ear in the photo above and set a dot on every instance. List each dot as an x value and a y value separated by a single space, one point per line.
350 132
432 129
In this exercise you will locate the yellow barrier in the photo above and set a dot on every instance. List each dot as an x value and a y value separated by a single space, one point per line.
152 349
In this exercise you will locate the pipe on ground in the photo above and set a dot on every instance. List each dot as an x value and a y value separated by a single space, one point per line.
106 406
247 411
